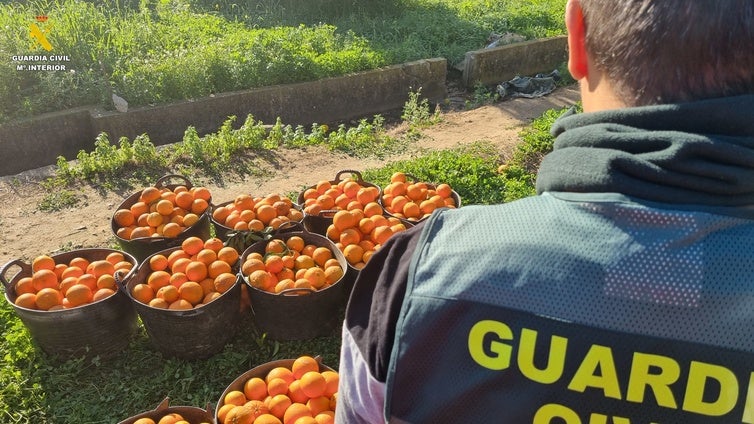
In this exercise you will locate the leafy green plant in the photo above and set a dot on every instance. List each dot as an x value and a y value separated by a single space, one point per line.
416 112
520 171
481 95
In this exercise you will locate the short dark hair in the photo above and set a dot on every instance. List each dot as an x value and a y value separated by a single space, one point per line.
668 51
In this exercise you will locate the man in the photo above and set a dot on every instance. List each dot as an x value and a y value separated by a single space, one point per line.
624 291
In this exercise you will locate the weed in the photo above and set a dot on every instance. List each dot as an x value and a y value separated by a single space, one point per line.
416 112
481 95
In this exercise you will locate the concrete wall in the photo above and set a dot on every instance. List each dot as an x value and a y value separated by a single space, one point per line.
499 64
39 141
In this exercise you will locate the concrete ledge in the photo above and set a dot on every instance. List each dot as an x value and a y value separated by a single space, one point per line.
498 64
39 141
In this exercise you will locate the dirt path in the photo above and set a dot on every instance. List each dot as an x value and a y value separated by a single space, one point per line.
25 231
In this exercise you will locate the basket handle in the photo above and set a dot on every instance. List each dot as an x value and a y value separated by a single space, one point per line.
349 171
288 225
119 278
160 183
17 262
296 291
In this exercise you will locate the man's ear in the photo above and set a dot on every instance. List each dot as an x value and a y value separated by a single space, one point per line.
577 58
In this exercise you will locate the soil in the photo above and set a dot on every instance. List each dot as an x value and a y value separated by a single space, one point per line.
26 231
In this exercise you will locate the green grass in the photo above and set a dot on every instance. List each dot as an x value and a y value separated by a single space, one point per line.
156 51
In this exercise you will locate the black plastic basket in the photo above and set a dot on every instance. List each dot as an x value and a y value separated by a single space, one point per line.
196 333
299 314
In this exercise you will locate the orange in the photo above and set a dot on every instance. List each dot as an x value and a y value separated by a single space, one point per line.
283 284
318 405
251 265
168 293
201 193
261 280
190 219
180 265
71 271
321 255
158 279
305 420
280 372
164 207
235 397
275 246
295 243
214 244
367 194
79 294
198 207
303 262
255 389
138 209
27 300
353 253
44 278
218 267
302 365
24 285
150 194
171 418
154 219
278 404
313 384
398 176
294 412
224 282
144 421
100 267
381 234
350 236
267 419
344 219
266 213
175 255
244 202
372 208
274 264
322 186
124 217
196 271
172 230
159 303
277 386
158 262
43 262
184 200
192 245
47 298
102 293
107 281
332 379
191 292
333 274
141 232
142 292
444 190
178 278
326 417
316 277
222 412
332 232
180 305
88 280
295 393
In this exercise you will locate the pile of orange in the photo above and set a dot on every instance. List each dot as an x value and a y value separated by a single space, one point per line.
255 213
162 212
415 201
189 277
300 394
54 286
291 264
358 234
169 418
347 194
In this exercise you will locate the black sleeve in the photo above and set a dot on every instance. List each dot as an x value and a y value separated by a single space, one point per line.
376 300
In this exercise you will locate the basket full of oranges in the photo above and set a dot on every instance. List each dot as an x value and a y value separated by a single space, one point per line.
346 191
71 303
411 200
296 284
162 216
189 297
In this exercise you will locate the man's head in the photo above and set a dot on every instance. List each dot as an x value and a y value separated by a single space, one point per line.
662 51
